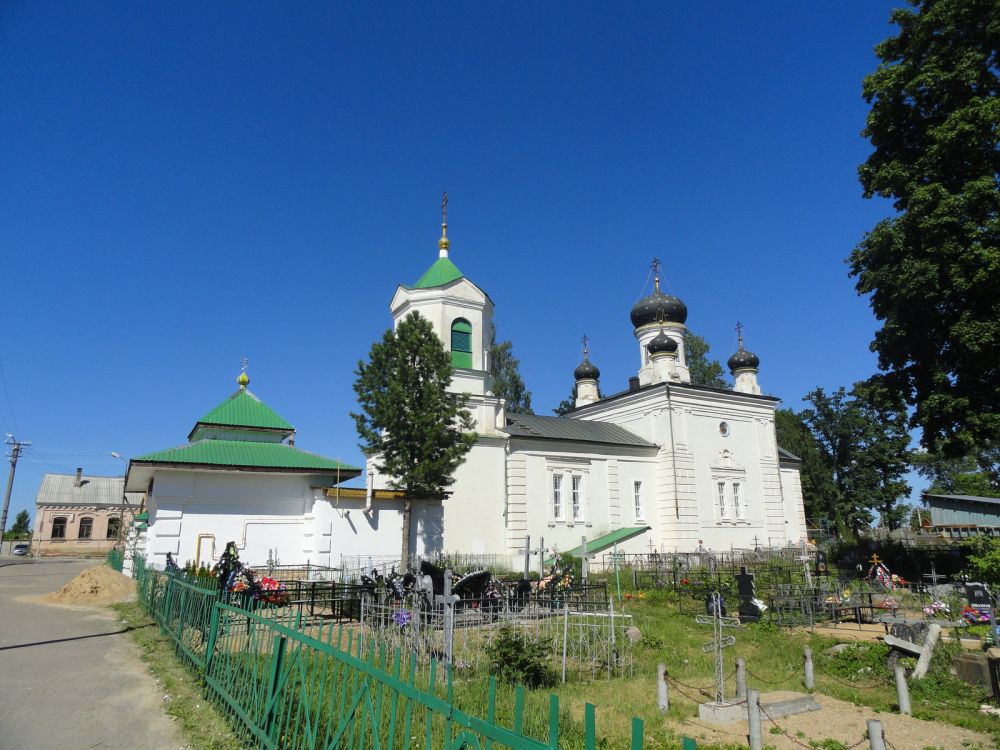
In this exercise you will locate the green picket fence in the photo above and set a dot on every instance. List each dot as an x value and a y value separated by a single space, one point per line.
287 689
116 559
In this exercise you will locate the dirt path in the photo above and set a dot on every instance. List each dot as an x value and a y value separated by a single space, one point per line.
846 723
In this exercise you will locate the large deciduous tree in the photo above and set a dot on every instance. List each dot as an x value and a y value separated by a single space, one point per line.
506 371
818 490
932 269
863 441
418 432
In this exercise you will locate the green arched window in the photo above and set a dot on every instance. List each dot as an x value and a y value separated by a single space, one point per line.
461 343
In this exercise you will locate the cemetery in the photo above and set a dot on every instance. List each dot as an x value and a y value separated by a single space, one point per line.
756 648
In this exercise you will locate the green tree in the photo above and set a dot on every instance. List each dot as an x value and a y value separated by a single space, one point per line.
704 371
417 431
984 559
955 476
863 441
932 270
22 525
819 492
506 371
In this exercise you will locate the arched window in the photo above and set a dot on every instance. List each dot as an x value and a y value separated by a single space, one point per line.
86 528
59 527
461 343
114 525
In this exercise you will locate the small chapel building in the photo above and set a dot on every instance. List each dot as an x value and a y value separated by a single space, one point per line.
664 465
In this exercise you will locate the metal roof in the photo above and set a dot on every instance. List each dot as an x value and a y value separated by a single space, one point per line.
245 454
441 272
580 430
787 455
243 409
61 489
602 543
965 498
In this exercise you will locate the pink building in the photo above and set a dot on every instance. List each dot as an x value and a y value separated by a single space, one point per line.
81 515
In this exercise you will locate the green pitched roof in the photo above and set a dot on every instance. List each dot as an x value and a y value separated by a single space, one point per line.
442 272
602 543
243 409
243 454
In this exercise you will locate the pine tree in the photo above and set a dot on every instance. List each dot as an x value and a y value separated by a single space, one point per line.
417 431
704 371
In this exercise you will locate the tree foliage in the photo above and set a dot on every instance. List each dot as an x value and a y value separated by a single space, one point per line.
955 476
863 444
704 371
818 489
933 269
21 528
418 432
506 371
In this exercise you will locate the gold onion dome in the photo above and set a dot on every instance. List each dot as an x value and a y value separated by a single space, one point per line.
243 380
444 243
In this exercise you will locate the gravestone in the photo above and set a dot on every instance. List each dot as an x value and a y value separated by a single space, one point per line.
821 566
981 601
750 610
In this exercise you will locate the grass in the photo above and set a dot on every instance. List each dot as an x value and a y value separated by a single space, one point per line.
203 726
774 659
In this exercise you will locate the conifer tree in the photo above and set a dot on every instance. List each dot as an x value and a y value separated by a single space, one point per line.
506 371
417 431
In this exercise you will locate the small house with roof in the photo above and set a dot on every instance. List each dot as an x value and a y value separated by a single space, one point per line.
241 478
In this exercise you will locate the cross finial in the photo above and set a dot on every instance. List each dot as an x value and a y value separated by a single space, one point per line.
586 346
656 273
246 363
444 243
739 333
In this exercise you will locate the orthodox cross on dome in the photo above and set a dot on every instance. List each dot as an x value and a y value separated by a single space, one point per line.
243 378
739 333
656 273
586 346
444 243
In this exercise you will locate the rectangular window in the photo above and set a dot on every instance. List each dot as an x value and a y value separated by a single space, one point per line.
737 500
637 499
577 499
557 506
86 528
722 500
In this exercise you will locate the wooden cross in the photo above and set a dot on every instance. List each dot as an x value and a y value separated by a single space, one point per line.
875 560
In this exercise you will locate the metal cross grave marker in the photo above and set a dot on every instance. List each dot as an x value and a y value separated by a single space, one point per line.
718 622
448 599
934 575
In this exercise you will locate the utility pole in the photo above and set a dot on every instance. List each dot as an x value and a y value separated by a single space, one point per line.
15 451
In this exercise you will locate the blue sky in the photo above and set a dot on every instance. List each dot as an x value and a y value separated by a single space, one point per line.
185 184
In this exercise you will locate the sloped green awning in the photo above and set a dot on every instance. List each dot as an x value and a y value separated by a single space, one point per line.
602 543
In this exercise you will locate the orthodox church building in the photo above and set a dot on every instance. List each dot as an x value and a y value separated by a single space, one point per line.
665 465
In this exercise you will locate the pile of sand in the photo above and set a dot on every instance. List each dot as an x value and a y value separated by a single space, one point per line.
97 585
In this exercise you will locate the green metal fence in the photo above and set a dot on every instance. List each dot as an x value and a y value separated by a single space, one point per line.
116 559
287 689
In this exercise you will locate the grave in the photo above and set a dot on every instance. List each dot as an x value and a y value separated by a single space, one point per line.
776 705
750 606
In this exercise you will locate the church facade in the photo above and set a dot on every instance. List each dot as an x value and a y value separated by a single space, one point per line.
665 465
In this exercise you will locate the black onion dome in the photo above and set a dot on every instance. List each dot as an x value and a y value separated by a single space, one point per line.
744 360
658 308
662 343
587 370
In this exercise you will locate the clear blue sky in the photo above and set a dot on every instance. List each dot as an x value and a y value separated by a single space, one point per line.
184 184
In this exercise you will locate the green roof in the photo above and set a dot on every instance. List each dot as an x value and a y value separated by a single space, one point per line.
243 409
243 454
442 272
602 543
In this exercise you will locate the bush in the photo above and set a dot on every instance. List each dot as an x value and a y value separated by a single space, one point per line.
519 660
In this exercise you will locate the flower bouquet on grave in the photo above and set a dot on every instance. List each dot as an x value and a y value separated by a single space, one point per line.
936 608
888 603
974 616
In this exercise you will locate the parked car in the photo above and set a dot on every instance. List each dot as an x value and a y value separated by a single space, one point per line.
21 550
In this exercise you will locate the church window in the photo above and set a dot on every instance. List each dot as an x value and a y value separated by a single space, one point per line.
640 512
461 343
59 527
723 512
577 499
86 528
557 507
724 429
737 500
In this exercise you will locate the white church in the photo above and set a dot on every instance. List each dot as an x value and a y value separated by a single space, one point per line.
664 466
